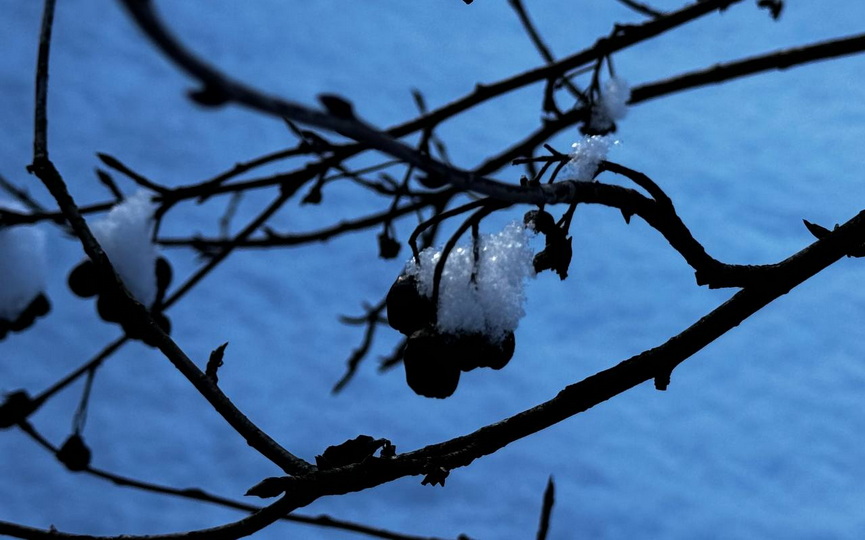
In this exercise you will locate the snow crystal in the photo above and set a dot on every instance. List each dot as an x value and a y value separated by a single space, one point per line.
125 236
22 265
587 154
493 304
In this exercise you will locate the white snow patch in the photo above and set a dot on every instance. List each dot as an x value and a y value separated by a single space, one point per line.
125 236
612 104
22 265
587 154
493 304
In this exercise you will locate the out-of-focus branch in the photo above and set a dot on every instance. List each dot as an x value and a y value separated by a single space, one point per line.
45 170
220 89
197 494
244 527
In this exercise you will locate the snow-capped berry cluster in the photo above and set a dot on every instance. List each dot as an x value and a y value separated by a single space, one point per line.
587 154
479 306
22 275
611 105
125 236
492 302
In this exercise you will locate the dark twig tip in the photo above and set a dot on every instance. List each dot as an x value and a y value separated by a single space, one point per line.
547 509
215 362
817 230
209 96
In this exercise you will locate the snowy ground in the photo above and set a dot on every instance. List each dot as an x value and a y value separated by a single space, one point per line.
759 435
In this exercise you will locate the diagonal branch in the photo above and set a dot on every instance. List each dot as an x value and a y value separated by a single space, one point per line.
781 59
45 170
218 85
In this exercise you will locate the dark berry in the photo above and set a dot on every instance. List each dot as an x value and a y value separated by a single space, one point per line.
74 453
109 307
407 309
540 221
37 308
24 321
40 306
388 248
501 353
82 280
479 350
431 367
15 408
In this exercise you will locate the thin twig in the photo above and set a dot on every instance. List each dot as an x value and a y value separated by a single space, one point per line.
641 8
198 494
547 509
781 59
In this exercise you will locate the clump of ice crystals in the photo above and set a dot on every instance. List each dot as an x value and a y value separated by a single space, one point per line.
125 236
492 304
587 154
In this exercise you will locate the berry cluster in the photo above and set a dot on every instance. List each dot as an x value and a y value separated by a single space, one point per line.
38 307
433 359
85 282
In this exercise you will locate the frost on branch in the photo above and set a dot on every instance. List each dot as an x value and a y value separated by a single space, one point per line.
587 155
125 235
492 303
22 275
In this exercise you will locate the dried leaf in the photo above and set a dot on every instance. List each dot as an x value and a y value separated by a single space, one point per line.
817 230
351 451
436 476
215 362
267 488
337 106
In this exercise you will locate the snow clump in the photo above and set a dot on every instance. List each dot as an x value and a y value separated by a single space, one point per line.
125 236
612 105
493 304
22 265
587 155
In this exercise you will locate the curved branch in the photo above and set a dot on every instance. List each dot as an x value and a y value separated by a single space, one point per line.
656 363
244 527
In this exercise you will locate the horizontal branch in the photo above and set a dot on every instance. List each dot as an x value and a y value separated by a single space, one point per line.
274 239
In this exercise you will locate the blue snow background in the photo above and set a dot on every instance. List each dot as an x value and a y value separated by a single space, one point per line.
759 436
